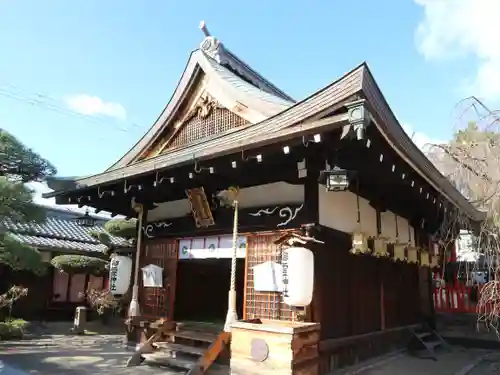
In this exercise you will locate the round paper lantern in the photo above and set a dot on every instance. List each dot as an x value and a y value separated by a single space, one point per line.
120 271
298 276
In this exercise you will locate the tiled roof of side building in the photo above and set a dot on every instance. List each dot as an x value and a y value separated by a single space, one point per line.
59 233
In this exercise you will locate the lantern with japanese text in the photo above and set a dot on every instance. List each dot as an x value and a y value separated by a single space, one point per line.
120 270
298 276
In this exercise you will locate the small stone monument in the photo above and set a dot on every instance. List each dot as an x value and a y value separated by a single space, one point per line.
80 320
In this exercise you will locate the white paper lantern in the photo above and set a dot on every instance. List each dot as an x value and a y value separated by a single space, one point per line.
298 276
120 271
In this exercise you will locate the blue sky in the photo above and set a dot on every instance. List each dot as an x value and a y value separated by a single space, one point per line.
122 59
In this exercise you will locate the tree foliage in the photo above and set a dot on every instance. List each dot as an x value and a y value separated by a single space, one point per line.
72 264
122 228
116 227
19 165
471 160
20 257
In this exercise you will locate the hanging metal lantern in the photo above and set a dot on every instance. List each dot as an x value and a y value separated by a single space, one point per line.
86 220
336 179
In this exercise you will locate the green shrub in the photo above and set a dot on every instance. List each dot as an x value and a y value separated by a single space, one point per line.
13 329
72 264
121 227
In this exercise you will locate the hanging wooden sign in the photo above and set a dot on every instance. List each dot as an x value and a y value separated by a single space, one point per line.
200 207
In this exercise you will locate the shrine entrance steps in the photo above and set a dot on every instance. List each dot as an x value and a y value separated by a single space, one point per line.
425 341
190 348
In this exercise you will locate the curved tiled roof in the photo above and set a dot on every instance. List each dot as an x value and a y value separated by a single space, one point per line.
236 79
53 243
59 233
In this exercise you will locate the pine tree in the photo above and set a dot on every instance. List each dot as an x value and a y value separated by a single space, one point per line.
18 166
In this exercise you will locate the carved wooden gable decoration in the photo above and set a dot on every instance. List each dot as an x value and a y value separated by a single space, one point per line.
200 116
207 118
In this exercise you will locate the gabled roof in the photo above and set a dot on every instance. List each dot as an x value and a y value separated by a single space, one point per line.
230 81
281 126
59 232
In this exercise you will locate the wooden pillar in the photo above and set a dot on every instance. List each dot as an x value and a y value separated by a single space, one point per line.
311 207
382 301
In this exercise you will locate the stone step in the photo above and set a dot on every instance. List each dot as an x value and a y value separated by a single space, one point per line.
173 347
424 335
161 358
195 335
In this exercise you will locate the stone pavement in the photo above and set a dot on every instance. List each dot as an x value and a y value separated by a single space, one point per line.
70 355
488 366
459 361
58 354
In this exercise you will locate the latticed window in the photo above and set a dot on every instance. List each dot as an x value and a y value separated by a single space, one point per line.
263 305
218 121
157 302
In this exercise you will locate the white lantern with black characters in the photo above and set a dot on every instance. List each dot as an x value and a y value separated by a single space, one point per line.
120 271
298 276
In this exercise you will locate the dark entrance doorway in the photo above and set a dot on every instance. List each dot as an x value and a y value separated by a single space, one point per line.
202 289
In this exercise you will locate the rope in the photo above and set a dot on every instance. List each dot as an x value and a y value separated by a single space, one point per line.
235 247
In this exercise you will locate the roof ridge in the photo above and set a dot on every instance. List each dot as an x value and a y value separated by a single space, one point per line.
214 48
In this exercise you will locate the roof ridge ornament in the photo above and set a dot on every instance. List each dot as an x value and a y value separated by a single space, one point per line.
210 45
204 29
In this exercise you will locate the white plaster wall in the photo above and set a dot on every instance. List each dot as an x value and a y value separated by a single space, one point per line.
255 196
338 210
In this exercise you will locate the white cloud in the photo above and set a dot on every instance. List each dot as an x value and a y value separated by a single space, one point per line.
93 105
454 28
41 188
422 140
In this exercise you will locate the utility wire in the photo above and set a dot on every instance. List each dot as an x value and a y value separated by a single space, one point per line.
48 103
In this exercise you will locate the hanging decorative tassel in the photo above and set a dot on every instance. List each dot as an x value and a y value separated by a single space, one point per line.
359 239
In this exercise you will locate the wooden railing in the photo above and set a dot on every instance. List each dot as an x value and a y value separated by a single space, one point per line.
455 299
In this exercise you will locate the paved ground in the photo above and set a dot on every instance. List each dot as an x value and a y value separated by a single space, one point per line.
488 366
62 354
70 355
459 361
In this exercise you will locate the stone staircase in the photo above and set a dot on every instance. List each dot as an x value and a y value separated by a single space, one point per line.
192 348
